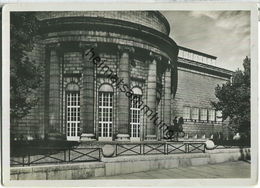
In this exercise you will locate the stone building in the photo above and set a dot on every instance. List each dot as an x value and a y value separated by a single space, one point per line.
117 75
198 76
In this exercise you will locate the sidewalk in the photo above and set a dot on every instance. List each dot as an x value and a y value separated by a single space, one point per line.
240 169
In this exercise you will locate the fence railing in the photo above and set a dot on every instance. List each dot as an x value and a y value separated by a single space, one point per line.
88 154
58 155
159 148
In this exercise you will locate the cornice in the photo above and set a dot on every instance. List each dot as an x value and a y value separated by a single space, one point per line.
201 67
159 39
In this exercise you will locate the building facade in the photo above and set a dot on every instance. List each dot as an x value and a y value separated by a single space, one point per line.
198 77
117 75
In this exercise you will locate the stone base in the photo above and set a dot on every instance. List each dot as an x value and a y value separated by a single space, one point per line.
123 137
151 137
126 164
87 137
55 136
135 139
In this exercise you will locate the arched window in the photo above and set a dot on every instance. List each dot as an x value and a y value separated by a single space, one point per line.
135 113
105 110
73 111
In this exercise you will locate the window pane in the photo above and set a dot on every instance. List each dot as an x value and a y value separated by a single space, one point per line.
212 115
203 114
105 112
186 112
73 114
135 116
195 114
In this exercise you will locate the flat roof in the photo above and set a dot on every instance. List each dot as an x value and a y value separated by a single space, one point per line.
197 52
203 67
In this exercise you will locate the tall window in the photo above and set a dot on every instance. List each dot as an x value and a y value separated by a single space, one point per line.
186 112
105 110
203 114
211 115
195 114
135 113
73 112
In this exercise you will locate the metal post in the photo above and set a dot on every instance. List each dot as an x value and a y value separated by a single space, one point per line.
29 159
69 154
99 154
64 155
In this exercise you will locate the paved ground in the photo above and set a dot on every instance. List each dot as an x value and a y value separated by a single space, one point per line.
240 169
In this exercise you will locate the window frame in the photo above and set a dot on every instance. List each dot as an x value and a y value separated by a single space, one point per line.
203 116
185 113
75 122
210 115
197 114
135 125
105 111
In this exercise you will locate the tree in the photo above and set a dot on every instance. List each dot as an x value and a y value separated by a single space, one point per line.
25 75
234 99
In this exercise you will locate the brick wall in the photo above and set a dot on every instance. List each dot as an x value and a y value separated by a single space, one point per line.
139 70
72 62
196 89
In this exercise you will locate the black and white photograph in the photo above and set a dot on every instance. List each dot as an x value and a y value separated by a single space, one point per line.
129 93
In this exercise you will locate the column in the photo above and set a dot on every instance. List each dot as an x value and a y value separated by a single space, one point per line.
87 92
151 96
54 127
123 100
167 98
167 95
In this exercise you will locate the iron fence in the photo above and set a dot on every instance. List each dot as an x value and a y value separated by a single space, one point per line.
159 148
128 149
149 149
58 155
88 154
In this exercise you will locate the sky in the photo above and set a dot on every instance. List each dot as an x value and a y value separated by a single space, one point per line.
224 34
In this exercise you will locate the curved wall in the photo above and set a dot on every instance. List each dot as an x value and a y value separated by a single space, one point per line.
151 19
134 45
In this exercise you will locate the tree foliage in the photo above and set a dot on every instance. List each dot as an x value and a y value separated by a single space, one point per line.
25 75
234 99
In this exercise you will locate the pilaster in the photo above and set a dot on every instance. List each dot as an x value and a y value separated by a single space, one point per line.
123 100
87 91
152 95
54 118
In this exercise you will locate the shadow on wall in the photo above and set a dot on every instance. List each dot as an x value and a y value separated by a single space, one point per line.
38 147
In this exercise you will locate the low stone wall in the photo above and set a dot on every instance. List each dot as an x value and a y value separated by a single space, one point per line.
127 164
59 171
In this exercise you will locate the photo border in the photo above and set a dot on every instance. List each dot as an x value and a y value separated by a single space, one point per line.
114 6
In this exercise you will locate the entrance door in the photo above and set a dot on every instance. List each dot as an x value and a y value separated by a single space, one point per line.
73 116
